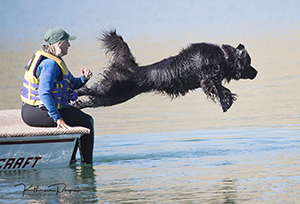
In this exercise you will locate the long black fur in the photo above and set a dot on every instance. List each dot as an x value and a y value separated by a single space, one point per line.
199 65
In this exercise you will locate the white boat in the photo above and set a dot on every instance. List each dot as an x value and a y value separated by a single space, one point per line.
25 147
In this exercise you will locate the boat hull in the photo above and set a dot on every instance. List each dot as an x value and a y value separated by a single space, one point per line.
39 152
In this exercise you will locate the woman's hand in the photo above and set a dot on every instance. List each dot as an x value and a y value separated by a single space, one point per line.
86 73
61 124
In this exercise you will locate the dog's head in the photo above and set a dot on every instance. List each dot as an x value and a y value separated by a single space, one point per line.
247 71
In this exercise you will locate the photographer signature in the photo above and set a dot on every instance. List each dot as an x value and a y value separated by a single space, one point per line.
57 188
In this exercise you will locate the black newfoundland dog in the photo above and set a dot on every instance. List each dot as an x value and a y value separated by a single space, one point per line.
199 65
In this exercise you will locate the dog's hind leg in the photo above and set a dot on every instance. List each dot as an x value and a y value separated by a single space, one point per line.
95 89
84 103
82 91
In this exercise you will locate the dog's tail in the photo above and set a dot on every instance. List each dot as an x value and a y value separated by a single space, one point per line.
118 49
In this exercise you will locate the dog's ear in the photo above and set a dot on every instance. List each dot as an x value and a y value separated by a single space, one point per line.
240 47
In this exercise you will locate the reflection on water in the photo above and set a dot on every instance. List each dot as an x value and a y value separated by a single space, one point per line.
218 166
65 185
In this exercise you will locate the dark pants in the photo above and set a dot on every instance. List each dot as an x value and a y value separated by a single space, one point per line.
38 117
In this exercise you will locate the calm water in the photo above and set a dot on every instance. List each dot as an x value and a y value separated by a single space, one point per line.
219 166
154 150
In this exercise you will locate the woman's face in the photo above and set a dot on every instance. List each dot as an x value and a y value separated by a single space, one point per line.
63 47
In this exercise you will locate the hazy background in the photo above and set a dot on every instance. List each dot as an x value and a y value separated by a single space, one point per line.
27 21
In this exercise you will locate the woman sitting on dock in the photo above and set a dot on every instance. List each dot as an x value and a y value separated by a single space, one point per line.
47 90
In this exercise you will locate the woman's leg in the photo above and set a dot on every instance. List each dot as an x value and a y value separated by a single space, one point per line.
75 117
37 117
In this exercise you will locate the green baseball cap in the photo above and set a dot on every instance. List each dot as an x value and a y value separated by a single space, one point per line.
54 35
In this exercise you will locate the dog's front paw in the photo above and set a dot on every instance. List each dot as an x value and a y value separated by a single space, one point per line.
226 99
226 103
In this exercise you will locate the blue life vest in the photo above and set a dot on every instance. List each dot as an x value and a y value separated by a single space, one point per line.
61 90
